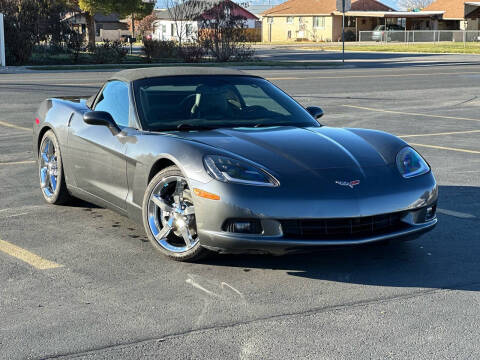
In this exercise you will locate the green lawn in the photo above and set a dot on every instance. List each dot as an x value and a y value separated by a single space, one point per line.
443 48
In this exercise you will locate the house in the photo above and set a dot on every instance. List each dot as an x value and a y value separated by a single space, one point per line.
106 26
472 11
319 20
456 16
183 22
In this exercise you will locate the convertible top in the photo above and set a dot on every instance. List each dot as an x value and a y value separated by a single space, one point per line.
143 73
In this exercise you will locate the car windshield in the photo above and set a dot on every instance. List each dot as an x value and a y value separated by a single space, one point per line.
208 102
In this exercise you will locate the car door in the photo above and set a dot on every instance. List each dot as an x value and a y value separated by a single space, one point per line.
96 153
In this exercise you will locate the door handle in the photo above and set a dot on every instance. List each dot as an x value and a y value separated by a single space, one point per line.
70 120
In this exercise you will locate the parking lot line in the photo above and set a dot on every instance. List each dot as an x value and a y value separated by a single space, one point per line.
26 256
458 214
439 134
18 162
446 148
411 114
14 126
374 76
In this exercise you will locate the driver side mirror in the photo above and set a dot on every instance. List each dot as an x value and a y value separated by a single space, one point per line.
101 118
315 111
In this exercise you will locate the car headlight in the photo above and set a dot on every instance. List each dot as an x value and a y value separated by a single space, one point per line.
410 163
232 170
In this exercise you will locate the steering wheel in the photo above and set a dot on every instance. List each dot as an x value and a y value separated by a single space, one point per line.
183 103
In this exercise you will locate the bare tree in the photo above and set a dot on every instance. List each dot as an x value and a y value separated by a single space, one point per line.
224 32
183 13
413 4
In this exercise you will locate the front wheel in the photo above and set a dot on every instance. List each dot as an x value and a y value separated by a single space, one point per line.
169 216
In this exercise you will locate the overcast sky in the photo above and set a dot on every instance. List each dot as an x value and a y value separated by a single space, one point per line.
162 3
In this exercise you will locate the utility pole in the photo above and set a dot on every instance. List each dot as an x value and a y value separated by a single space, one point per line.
343 6
2 42
343 31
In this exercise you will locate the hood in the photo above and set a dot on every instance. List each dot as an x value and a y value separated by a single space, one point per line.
295 150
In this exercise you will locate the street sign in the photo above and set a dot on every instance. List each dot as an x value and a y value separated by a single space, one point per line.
2 43
343 6
348 5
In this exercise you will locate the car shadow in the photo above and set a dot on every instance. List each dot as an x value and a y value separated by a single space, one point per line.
447 257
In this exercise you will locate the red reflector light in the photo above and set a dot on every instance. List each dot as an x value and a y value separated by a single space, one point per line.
37 121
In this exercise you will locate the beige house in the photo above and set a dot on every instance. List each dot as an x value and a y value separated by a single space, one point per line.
459 14
319 20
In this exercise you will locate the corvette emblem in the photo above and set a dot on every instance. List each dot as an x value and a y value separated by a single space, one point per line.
350 184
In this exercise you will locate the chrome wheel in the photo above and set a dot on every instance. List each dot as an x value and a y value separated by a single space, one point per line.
48 168
171 215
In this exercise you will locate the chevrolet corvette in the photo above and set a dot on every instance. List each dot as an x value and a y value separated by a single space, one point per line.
213 159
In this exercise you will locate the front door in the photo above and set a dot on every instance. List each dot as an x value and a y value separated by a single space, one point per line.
97 155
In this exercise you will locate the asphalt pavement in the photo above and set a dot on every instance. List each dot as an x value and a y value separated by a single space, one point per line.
315 53
83 282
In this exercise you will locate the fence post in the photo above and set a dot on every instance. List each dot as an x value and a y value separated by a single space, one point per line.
464 39
2 42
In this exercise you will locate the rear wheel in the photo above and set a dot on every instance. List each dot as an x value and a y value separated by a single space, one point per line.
169 216
50 170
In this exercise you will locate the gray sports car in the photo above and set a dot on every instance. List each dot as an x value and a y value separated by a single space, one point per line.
216 159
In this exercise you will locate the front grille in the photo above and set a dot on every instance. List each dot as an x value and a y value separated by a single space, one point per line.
343 228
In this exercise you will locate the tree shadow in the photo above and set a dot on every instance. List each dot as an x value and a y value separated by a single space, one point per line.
447 257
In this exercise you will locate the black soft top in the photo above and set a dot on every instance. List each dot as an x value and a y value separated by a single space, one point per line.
143 73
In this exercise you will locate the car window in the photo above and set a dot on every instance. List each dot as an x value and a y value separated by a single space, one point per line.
255 96
114 100
167 103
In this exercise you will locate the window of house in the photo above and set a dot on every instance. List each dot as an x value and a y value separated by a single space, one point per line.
300 20
289 34
172 29
269 20
350 21
319 22
98 27
114 100
289 19
188 30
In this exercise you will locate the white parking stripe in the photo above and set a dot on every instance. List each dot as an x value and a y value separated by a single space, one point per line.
456 214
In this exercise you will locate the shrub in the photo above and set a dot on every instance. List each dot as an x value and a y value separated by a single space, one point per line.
225 33
349 36
75 42
21 17
110 52
158 49
192 52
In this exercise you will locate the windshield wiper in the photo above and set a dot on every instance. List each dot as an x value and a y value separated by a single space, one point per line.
189 127
272 124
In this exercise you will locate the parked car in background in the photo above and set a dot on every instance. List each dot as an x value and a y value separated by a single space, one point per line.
379 31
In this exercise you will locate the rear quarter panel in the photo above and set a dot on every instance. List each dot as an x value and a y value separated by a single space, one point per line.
54 114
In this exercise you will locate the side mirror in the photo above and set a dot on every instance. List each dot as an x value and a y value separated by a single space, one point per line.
315 111
101 118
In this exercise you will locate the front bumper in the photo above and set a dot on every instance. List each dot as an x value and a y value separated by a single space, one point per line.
291 202
223 242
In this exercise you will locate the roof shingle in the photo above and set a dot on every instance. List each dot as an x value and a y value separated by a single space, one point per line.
322 7
454 9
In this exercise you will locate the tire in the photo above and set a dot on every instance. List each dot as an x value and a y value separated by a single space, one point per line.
169 217
50 171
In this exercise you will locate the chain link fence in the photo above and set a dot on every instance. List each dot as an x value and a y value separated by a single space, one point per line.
419 36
